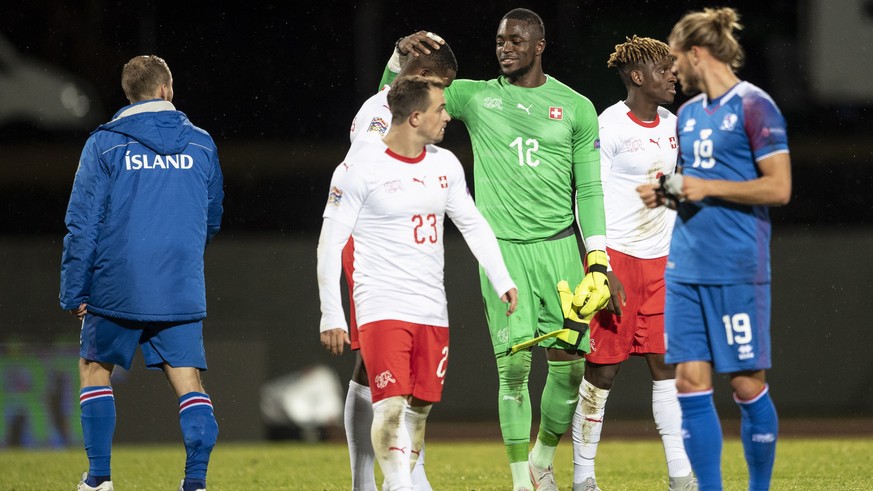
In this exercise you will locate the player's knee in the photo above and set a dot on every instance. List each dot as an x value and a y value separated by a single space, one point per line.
576 372
389 411
201 432
514 370
601 376
388 415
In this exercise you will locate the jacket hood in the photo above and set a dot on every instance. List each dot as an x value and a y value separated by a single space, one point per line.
156 124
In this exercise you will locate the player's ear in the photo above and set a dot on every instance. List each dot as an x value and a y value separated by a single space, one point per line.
541 46
694 54
637 77
415 119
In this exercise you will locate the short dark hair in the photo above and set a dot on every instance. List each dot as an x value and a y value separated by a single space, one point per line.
538 29
439 61
411 93
143 75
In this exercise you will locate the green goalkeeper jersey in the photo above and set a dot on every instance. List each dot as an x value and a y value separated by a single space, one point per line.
532 148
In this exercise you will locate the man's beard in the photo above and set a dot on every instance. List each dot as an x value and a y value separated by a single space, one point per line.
690 86
518 73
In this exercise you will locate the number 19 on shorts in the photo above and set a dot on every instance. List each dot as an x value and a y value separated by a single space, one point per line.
737 328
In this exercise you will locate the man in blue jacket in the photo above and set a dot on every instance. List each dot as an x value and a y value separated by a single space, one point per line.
145 202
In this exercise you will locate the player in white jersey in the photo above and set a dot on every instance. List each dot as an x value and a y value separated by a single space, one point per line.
637 146
394 196
370 124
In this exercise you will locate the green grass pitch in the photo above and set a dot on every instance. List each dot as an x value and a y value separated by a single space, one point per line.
627 465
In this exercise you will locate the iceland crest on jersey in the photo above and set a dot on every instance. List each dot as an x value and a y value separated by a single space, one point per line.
729 122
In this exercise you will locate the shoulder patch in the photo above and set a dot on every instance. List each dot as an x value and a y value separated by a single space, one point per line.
378 125
335 196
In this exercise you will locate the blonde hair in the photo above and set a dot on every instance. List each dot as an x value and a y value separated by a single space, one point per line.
712 28
634 53
142 76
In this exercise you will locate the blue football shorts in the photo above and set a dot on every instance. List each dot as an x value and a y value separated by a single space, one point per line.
107 340
727 325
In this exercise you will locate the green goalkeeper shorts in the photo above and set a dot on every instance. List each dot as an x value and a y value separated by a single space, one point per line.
536 268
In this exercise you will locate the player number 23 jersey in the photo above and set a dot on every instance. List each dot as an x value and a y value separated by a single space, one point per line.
396 207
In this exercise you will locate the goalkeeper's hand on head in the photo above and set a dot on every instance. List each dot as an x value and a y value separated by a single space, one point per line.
592 293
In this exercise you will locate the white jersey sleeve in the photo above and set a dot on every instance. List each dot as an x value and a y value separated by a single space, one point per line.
373 119
333 238
345 199
635 152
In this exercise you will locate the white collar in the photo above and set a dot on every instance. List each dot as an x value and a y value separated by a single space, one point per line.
146 107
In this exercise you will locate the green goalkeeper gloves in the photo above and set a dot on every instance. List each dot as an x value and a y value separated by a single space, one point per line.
592 293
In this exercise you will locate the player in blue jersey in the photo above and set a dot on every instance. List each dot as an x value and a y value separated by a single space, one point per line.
733 151
146 200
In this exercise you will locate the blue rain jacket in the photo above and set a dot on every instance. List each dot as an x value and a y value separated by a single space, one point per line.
146 200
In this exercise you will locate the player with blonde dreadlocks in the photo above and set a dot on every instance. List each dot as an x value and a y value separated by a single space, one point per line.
637 146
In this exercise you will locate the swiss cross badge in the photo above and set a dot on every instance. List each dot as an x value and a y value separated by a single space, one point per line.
444 183
556 112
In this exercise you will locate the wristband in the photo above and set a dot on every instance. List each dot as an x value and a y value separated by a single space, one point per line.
397 47
395 64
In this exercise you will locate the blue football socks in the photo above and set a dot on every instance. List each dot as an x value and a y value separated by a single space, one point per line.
701 430
758 431
199 431
98 427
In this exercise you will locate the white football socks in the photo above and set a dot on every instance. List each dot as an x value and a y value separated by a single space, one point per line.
587 425
358 419
391 442
668 420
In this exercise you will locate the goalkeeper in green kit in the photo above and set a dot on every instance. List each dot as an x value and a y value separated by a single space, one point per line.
536 160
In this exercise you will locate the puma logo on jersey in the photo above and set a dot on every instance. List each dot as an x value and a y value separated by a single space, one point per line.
526 109
420 181
656 142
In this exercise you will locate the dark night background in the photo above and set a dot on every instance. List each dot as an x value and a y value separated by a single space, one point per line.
277 85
